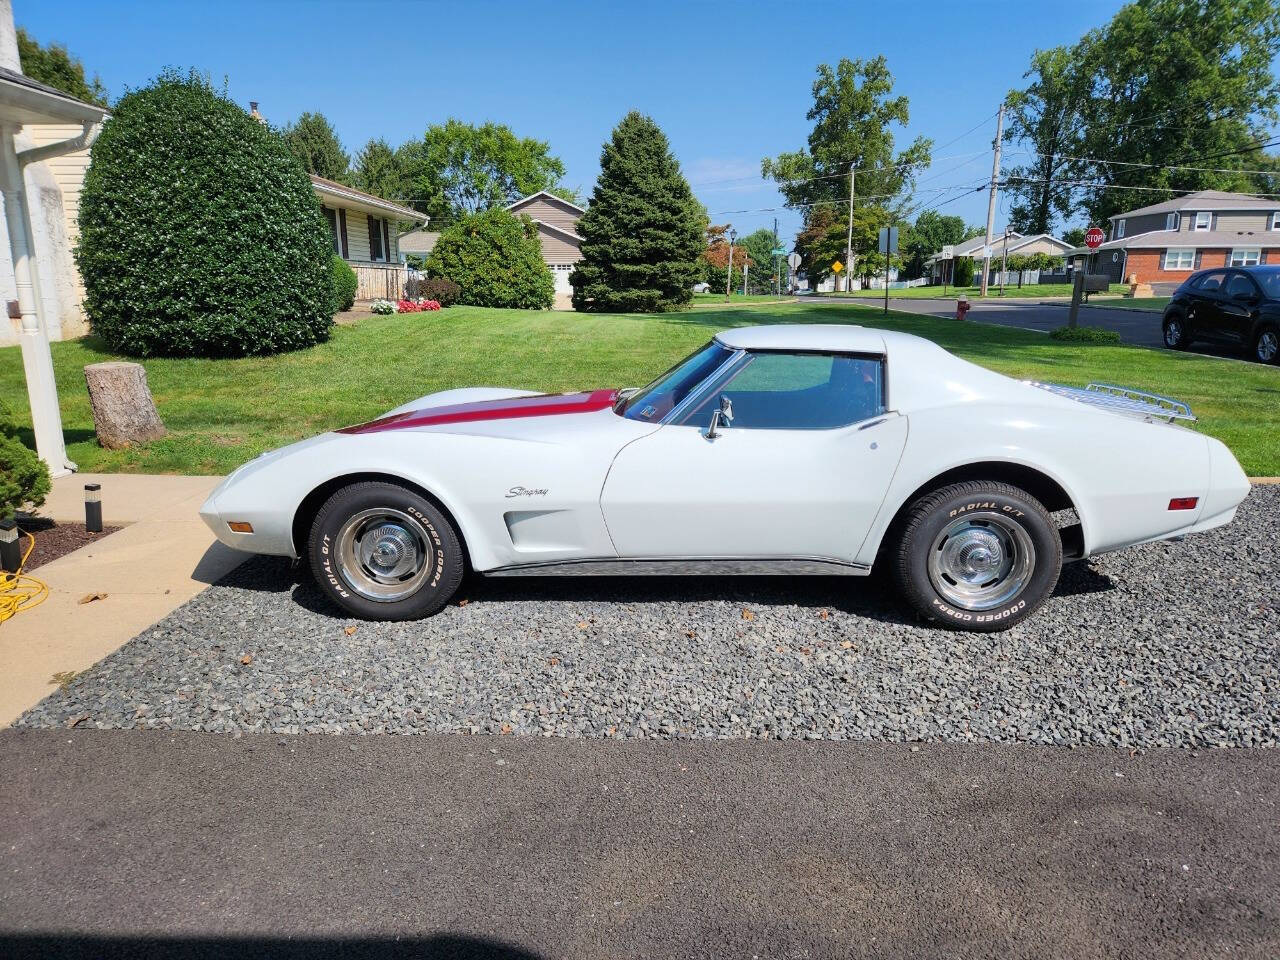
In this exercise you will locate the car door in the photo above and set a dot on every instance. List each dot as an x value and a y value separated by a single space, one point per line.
800 470
1204 320
1238 309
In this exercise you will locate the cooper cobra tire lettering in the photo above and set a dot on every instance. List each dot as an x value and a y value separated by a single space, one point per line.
444 573
928 516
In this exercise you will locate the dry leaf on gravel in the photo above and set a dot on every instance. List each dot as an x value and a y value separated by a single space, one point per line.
350 630
247 659
748 615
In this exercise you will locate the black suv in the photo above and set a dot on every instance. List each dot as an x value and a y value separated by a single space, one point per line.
1233 305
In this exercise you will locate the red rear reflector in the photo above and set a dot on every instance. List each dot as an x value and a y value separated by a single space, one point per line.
1183 503
239 526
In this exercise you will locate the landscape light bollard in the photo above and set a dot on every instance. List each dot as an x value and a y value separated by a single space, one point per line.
10 549
93 507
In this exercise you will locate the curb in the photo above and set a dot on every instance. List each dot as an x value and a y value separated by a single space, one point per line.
1265 481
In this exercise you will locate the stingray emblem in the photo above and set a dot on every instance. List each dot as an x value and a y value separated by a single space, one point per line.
526 492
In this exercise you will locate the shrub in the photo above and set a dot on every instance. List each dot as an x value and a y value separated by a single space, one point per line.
963 272
496 260
24 478
444 292
200 234
345 283
1084 335
382 307
416 306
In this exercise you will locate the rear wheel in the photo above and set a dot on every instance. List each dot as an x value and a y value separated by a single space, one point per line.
978 556
1266 345
1175 333
383 552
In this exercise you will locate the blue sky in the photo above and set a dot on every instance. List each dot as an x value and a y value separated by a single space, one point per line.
728 82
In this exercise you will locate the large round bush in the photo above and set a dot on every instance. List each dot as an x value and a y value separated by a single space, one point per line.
495 258
24 478
200 234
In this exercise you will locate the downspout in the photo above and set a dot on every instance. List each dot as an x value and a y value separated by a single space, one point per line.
89 133
37 362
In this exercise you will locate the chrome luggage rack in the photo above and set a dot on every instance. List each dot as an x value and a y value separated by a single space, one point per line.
1123 400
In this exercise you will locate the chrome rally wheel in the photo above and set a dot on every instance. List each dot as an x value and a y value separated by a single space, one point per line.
981 561
385 552
977 555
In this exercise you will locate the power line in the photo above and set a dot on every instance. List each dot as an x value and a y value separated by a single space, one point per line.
1160 166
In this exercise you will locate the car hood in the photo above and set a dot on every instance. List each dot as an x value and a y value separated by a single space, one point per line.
428 413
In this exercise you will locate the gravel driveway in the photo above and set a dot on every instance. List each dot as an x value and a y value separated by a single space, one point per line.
1172 644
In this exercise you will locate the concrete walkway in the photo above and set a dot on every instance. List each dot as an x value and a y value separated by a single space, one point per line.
162 558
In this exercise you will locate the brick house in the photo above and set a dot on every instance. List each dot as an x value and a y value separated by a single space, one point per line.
1165 242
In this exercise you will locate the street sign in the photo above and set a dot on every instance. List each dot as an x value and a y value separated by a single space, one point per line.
888 240
1093 238
793 261
948 252
837 266
987 252
778 252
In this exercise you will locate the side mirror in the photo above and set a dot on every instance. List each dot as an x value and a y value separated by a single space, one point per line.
721 416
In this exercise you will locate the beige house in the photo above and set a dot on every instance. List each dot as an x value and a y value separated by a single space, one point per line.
365 231
557 223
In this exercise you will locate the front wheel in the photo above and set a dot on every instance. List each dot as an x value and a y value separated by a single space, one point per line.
383 552
1266 345
1175 333
978 556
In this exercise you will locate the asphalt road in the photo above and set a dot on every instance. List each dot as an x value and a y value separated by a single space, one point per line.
1140 327
138 844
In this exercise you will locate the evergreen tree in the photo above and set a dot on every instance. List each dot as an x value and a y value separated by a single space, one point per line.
378 170
54 66
643 231
313 141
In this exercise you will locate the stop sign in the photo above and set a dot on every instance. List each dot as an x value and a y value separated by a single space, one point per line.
1093 238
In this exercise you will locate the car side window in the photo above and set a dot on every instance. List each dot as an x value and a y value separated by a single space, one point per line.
797 391
1212 282
1241 286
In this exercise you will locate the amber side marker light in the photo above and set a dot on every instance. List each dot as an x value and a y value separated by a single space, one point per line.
1183 503
240 526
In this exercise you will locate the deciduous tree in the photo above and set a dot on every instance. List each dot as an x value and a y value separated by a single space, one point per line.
458 168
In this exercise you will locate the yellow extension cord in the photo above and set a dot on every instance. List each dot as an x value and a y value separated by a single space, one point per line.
18 591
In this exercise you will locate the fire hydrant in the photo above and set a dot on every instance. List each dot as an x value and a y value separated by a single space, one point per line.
962 307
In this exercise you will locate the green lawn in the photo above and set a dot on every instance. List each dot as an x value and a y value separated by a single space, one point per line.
223 412
974 293
711 299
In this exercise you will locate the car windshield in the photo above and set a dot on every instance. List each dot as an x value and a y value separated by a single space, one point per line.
1269 280
652 403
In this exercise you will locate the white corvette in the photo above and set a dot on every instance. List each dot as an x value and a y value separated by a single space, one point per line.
780 449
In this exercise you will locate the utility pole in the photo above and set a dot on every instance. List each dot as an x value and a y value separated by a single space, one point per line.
991 198
1004 261
777 261
848 243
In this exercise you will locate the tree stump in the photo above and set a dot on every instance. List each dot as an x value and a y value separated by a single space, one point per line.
123 412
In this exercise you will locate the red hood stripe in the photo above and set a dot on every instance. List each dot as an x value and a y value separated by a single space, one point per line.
544 405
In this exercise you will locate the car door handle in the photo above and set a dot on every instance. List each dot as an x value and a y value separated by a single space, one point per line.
873 423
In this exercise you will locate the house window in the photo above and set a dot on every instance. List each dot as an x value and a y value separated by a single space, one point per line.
1119 229
1246 257
332 216
1171 222
1204 220
1275 220
1179 258
375 239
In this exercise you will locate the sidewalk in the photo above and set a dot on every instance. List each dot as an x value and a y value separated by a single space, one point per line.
162 558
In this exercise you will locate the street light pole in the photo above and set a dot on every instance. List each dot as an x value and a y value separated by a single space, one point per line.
728 277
